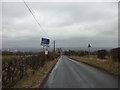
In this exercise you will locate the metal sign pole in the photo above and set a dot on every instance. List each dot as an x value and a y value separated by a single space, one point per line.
45 43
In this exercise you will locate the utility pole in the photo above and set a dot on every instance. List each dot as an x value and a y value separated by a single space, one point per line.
54 46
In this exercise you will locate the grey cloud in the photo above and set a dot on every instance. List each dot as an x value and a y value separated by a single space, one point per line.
79 12
70 24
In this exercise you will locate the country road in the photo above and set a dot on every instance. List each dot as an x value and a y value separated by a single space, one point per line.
68 73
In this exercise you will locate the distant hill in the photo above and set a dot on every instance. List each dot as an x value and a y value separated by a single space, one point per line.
51 48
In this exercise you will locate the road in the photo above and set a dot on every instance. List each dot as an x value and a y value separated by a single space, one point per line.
68 73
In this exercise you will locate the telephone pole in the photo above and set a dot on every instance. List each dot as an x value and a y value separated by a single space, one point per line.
54 46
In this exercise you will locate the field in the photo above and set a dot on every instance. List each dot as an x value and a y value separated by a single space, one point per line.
110 66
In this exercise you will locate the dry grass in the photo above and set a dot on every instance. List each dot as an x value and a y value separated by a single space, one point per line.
107 65
34 81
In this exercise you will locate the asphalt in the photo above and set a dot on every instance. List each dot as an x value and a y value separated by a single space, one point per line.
69 73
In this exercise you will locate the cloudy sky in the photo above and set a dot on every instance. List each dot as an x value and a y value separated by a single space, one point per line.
71 24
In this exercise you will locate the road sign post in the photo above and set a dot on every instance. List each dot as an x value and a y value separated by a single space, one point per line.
45 43
89 46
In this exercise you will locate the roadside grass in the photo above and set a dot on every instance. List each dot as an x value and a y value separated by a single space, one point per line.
107 65
34 81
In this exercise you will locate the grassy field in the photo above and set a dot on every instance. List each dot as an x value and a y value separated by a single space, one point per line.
34 81
107 65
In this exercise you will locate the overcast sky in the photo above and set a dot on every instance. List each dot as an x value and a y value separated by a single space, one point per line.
70 24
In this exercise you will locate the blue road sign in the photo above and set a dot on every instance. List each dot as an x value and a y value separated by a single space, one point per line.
45 41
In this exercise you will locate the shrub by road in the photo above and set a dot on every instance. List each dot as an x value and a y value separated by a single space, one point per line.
17 67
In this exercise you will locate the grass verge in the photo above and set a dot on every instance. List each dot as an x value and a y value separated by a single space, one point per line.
34 81
107 65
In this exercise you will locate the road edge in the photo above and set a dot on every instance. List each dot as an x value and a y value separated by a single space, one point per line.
101 69
96 67
46 78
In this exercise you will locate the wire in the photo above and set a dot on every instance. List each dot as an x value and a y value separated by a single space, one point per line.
35 18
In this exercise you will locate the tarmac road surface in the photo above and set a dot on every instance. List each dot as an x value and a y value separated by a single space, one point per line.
68 73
